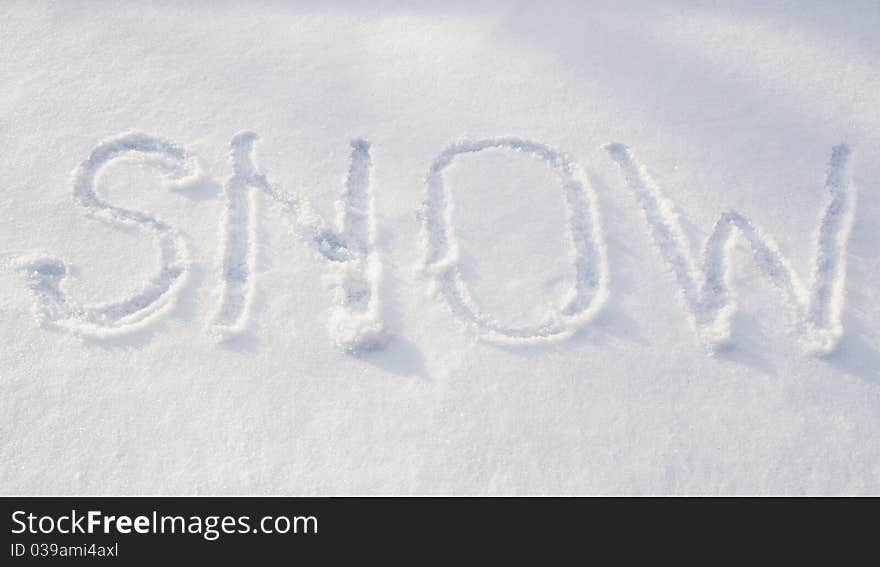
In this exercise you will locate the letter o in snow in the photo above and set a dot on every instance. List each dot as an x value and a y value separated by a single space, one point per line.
590 288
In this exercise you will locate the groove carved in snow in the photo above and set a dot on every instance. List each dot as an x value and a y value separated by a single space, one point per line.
356 322
587 248
706 290
45 274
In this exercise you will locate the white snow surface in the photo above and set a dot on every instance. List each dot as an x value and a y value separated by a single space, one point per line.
439 247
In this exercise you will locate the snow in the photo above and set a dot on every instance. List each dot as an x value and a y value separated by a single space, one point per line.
439 247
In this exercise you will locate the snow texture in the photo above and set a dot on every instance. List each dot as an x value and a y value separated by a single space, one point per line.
439 247
706 292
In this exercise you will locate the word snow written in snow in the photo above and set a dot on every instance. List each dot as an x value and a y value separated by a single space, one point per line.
348 245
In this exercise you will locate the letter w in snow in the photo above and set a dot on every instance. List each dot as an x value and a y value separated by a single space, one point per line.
705 289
